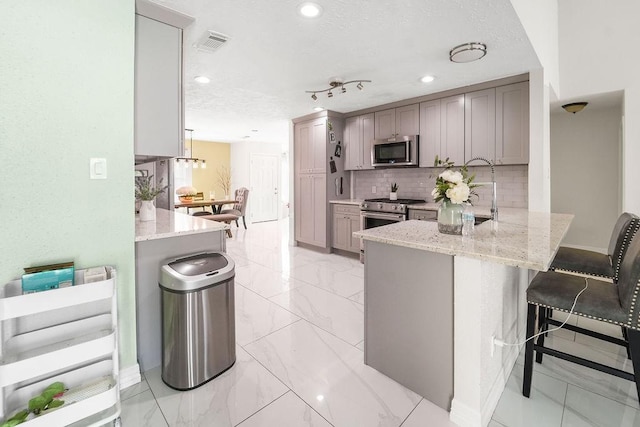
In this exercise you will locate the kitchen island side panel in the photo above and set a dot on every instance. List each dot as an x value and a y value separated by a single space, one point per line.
150 256
409 318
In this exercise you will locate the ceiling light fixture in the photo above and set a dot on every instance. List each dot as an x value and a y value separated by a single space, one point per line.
318 109
336 83
191 161
468 52
427 79
575 107
309 10
202 79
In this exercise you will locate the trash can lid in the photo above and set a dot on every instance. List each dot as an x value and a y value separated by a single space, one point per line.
199 264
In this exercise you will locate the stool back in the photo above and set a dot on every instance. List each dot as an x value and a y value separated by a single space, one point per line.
629 283
626 227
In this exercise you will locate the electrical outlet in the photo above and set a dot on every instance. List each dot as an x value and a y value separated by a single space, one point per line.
373 189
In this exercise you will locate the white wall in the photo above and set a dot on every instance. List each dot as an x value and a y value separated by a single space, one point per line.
596 56
66 96
584 179
241 167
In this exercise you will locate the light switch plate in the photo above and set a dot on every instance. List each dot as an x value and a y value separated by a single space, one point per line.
97 168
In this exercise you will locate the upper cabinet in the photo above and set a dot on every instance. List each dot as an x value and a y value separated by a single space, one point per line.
311 146
397 122
159 128
512 124
480 124
452 129
358 139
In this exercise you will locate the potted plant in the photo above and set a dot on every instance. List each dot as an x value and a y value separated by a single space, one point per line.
394 191
146 192
186 193
453 189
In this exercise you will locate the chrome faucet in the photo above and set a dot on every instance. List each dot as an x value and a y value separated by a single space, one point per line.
494 194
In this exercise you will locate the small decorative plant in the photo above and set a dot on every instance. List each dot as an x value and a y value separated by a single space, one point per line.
453 186
145 190
224 179
394 187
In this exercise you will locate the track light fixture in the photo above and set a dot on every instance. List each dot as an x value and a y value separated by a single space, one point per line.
336 83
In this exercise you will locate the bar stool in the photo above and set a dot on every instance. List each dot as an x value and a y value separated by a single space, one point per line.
602 300
595 263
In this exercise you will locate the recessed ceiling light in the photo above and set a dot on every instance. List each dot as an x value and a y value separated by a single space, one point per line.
254 130
310 10
318 109
202 79
427 79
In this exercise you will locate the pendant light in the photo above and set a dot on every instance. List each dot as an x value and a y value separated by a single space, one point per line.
191 161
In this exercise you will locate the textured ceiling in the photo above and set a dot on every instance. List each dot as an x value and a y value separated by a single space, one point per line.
259 77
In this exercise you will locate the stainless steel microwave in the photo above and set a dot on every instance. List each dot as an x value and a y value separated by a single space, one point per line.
400 151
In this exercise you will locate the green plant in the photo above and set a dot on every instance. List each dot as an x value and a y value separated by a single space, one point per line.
394 187
145 190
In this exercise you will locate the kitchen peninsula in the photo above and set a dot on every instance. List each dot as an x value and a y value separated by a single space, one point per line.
171 235
434 301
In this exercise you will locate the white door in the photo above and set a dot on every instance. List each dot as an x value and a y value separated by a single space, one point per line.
263 194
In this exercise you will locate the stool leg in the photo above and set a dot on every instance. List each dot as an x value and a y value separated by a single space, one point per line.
542 326
528 352
634 346
625 334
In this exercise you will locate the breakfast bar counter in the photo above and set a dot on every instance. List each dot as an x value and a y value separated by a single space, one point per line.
434 302
172 235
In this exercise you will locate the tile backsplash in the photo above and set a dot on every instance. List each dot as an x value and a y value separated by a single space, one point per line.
417 183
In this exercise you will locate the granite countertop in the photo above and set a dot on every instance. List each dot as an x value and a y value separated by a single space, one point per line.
520 238
170 224
347 201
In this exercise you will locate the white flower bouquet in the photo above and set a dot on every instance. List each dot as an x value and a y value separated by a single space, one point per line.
186 191
453 186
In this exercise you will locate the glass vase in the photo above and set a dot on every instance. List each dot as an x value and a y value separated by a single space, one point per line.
450 217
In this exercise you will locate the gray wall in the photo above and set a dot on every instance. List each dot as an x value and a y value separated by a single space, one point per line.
585 170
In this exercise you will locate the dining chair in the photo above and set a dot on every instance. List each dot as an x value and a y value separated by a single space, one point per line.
604 301
239 209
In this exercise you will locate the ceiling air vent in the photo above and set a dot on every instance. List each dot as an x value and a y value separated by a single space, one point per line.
211 41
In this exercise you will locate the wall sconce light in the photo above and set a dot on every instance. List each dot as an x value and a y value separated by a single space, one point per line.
575 107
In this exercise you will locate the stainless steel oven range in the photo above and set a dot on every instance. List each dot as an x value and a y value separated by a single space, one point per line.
379 212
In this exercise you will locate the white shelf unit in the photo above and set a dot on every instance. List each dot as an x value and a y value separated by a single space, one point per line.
68 335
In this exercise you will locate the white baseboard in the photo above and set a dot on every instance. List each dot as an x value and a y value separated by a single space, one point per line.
463 416
499 384
130 376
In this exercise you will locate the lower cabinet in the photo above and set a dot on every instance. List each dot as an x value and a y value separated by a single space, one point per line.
346 221
311 209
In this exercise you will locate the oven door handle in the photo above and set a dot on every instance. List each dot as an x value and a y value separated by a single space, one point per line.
374 215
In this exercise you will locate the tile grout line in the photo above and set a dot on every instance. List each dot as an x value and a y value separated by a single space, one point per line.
412 411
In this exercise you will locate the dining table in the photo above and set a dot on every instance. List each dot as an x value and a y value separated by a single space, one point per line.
216 205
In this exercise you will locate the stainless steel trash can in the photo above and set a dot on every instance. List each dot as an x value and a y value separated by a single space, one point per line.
198 319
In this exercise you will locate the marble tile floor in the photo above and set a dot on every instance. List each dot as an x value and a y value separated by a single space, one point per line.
299 336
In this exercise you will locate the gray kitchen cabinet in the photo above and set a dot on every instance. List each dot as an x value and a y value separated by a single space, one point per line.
311 210
422 215
311 143
512 124
430 138
346 221
480 124
314 180
159 113
397 122
452 129
358 138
